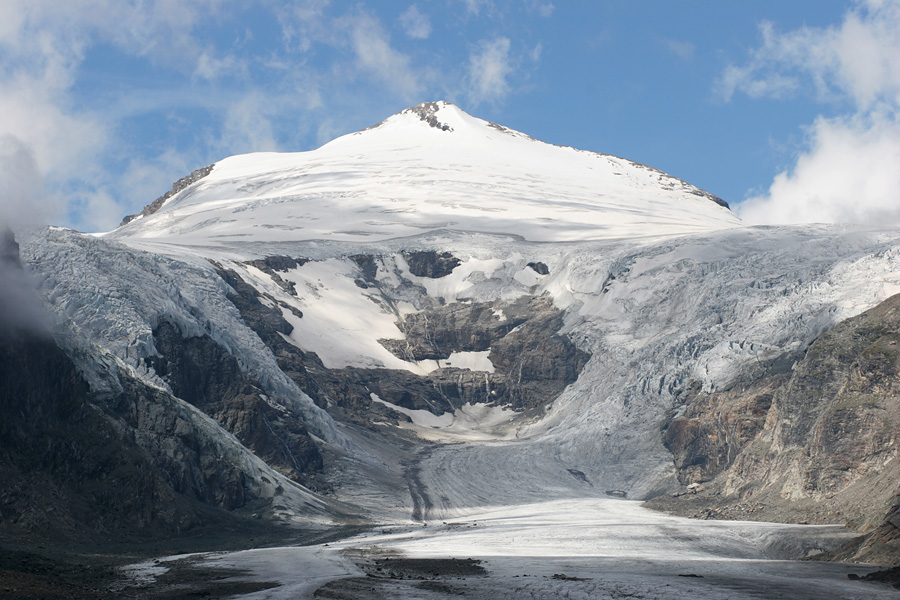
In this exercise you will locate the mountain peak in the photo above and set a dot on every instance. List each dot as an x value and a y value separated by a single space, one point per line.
429 167
440 116
428 111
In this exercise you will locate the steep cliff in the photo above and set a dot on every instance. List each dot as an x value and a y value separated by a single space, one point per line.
817 443
89 452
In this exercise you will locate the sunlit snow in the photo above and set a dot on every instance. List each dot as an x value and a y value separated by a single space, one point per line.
405 177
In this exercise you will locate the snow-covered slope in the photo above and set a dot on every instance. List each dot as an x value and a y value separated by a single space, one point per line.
431 167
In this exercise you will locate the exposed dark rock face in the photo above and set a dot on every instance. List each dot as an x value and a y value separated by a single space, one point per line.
201 372
431 264
461 327
179 185
711 429
271 265
712 197
427 112
131 465
269 324
539 268
277 263
367 266
828 447
266 321
129 462
532 363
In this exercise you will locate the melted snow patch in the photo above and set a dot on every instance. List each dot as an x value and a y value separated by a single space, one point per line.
474 361
469 422
341 321
422 418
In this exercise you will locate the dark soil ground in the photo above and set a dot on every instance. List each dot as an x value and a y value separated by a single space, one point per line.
49 570
385 575
891 576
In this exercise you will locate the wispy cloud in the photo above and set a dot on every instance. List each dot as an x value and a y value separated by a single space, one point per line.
543 9
680 48
377 58
489 68
44 44
475 7
211 67
847 171
415 24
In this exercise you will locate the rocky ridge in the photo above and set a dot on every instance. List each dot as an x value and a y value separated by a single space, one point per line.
815 442
90 452
177 187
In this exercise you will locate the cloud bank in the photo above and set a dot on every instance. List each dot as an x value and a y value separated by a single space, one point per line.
849 168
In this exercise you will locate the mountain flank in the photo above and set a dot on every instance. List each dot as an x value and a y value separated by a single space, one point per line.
814 442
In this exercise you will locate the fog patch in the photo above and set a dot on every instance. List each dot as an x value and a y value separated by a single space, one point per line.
21 209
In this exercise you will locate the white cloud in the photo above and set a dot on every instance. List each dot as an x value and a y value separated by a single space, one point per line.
474 6
376 57
209 67
860 59
100 210
22 197
303 23
34 110
544 9
489 68
850 173
848 170
415 24
247 126
43 43
680 48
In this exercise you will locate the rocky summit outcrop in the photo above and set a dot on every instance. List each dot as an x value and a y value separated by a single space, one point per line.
818 443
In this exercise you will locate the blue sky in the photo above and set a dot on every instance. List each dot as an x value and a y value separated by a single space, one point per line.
788 110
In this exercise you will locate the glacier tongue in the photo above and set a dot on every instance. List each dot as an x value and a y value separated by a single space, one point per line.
655 319
654 315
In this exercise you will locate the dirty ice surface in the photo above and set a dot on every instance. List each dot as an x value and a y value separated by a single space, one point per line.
588 548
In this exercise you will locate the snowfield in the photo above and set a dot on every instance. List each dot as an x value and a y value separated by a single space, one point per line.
404 177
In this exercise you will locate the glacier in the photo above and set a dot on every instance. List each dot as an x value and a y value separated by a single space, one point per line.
655 279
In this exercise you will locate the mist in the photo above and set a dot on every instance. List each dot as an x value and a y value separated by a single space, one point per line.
23 207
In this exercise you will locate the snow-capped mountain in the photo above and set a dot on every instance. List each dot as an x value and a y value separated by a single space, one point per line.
431 167
438 314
